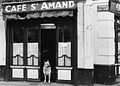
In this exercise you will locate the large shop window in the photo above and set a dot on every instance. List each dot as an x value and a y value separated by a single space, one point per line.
64 45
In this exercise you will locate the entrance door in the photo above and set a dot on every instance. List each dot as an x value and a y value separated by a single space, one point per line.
48 48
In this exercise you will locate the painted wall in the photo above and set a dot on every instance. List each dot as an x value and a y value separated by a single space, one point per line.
95 32
2 41
85 34
103 24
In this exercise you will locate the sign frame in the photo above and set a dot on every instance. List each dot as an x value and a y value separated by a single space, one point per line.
38 6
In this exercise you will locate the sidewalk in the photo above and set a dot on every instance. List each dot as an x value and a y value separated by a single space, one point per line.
20 83
24 83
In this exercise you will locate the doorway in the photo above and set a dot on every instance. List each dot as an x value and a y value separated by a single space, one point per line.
48 48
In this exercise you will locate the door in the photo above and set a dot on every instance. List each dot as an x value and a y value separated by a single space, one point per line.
48 48
25 62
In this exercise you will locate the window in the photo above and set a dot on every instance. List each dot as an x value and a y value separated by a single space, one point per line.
64 45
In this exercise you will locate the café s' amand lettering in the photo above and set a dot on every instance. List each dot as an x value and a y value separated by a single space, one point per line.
38 6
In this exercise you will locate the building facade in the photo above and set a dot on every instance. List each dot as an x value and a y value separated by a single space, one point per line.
78 37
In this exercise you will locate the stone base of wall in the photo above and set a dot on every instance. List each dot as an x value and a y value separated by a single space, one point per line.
2 73
84 77
104 74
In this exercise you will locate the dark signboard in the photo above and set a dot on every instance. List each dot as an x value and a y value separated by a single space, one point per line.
114 6
102 8
38 6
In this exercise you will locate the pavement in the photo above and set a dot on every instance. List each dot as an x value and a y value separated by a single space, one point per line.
24 83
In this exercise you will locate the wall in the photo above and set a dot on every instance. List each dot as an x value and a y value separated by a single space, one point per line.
85 34
2 48
104 48
85 42
104 34
2 41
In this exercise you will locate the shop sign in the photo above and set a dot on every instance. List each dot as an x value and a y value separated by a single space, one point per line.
102 8
37 6
115 6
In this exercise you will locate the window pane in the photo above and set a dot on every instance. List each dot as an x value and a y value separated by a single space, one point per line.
33 34
17 35
64 33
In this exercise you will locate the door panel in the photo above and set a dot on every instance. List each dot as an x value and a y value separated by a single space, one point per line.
17 63
32 65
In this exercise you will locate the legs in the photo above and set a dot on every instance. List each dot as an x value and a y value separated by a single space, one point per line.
49 78
44 78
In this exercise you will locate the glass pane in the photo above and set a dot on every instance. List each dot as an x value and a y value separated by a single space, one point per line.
17 53
32 46
32 53
64 53
64 33
17 45
61 61
67 61
64 45
33 34
18 35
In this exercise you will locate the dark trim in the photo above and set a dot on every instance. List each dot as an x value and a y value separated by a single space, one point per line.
7 77
39 52
116 40
104 74
74 48
64 81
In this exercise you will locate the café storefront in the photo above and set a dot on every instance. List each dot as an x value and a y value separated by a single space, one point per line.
39 31
58 31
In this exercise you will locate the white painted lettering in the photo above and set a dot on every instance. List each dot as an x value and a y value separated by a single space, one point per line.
24 7
33 7
13 9
65 4
51 5
58 5
7 9
44 6
71 4
18 7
